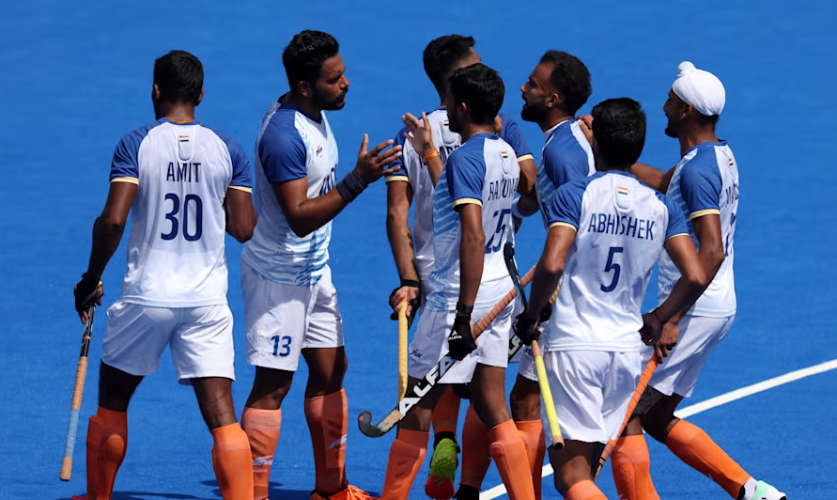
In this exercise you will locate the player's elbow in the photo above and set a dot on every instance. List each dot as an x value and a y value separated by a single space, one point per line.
242 232
112 223
300 228
473 239
552 267
697 278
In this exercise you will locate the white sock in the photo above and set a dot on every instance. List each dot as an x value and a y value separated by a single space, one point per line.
750 488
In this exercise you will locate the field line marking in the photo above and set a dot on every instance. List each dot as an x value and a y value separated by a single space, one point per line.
708 404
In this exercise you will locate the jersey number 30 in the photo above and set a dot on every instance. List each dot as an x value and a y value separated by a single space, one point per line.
612 266
191 205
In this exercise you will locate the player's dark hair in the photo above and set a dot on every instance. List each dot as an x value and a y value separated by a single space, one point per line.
442 54
619 129
570 77
179 76
303 57
481 88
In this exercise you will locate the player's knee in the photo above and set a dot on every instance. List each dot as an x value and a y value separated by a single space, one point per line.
116 387
269 388
524 400
655 424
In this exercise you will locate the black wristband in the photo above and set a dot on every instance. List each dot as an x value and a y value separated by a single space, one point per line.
351 186
411 283
463 309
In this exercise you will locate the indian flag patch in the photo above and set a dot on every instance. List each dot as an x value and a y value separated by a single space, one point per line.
504 154
730 162
445 123
622 190
182 138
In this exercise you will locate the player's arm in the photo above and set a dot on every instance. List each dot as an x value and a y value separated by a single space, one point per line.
510 132
306 215
548 272
107 233
421 137
399 196
471 252
653 177
241 217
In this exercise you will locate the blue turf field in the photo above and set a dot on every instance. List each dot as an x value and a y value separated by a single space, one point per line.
78 76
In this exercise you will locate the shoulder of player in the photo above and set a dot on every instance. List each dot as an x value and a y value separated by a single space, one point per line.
234 147
564 147
701 162
281 130
134 138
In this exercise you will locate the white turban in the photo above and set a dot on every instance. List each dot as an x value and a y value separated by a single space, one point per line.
703 90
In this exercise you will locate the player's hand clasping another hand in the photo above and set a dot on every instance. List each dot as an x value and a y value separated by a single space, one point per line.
525 326
87 292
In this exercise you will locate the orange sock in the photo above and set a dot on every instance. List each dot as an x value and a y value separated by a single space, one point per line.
328 424
632 469
696 448
509 454
405 457
233 462
262 428
532 433
107 440
446 412
475 457
585 490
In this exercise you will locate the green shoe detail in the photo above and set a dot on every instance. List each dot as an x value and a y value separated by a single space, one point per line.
443 464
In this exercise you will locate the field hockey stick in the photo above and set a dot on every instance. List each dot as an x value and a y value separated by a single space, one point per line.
540 369
78 392
640 389
418 391
402 349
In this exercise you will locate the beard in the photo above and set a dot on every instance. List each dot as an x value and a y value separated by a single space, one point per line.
330 104
671 130
532 113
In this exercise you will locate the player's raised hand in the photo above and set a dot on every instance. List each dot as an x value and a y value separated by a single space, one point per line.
585 123
371 164
87 292
419 133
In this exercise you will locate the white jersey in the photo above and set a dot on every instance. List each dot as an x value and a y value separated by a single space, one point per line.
705 181
566 156
411 169
290 146
621 227
482 171
176 247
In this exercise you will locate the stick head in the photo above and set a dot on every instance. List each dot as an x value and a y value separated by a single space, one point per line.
364 422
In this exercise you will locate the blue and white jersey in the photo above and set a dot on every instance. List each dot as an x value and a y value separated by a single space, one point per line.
290 146
413 171
621 226
566 156
176 246
705 181
484 171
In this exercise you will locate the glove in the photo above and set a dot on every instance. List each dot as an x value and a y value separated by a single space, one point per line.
87 292
460 341
526 327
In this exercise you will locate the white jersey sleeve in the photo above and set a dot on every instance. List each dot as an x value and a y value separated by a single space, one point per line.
621 226
176 245
483 171
705 181
291 146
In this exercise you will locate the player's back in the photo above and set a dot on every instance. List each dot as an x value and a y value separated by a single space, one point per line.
413 170
621 227
566 156
290 146
705 181
483 171
176 246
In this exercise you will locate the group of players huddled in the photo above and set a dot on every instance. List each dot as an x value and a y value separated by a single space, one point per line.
471 179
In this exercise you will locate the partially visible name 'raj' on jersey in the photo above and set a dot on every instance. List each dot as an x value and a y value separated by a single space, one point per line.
705 182
291 146
176 246
621 226
413 171
482 171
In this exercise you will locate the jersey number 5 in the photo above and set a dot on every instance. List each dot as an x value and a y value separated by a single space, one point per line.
189 233
612 266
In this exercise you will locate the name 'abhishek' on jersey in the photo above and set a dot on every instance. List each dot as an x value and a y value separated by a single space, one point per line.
626 225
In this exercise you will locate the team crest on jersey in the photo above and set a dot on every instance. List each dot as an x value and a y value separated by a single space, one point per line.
182 138
622 190
504 154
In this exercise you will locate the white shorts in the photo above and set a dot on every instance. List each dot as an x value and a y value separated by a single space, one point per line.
699 335
430 344
283 319
200 339
527 364
591 390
